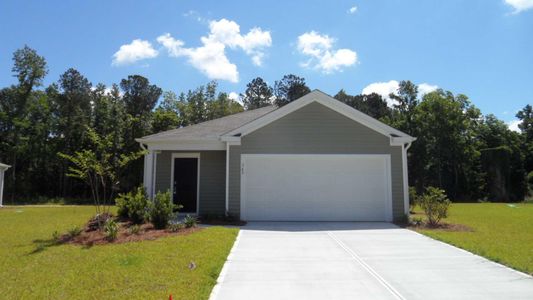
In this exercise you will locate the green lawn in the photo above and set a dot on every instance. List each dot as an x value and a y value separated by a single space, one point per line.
501 233
139 270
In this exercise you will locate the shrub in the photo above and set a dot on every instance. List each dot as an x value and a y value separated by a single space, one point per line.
111 230
413 198
135 229
133 205
175 227
161 210
416 221
74 232
190 221
435 204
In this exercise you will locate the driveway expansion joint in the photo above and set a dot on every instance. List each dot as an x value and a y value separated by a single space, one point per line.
369 269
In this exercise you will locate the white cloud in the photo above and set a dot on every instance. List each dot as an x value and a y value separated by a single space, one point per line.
386 88
520 5
425 88
133 52
210 58
352 10
235 97
513 125
321 55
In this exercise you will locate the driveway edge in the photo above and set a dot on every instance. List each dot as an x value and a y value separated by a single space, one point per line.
222 275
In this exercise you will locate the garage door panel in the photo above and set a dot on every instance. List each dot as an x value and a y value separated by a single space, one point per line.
316 188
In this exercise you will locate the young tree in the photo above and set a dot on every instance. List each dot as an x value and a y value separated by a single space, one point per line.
289 88
100 168
258 94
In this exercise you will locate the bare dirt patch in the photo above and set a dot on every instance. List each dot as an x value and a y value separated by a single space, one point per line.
89 237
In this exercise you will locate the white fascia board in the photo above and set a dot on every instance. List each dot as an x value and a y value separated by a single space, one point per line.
324 99
402 140
186 145
231 139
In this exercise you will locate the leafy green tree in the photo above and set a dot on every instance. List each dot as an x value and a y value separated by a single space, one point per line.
289 88
502 161
167 115
258 94
73 109
526 127
140 98
373 104
447 150
407 99
30 69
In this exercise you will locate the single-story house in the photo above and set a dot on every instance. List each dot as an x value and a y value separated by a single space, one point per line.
314 159
3 168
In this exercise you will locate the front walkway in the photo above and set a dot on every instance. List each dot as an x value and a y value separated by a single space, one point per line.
358 261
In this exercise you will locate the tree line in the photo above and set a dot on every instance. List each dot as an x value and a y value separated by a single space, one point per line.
470 155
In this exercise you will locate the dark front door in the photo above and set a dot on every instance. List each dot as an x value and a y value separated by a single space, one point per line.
186 183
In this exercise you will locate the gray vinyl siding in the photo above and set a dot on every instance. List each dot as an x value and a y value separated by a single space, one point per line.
212 178
316 129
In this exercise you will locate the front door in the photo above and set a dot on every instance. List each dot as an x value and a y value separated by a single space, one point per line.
186 184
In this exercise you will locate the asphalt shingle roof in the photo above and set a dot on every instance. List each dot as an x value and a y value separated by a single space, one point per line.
210 130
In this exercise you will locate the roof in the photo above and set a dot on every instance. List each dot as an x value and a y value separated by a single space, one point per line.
232 127
209 130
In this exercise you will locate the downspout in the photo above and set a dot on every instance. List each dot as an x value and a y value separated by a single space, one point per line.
227 179
405 147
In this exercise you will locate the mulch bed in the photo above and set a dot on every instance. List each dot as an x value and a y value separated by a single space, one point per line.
147 232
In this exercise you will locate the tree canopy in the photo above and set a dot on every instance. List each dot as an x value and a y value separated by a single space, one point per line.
470 155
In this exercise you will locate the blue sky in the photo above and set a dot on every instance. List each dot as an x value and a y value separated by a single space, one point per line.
482 48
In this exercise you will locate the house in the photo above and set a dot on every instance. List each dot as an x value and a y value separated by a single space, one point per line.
3 169
314 159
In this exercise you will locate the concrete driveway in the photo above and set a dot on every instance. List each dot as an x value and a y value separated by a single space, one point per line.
284 260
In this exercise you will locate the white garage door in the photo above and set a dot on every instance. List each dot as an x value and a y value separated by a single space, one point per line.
315 187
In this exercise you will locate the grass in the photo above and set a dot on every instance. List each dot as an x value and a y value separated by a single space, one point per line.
33 267
501 233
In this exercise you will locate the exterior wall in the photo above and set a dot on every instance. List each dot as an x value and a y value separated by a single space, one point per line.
316 129
212 178
234 185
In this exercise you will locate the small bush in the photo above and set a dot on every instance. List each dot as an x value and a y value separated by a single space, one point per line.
133 205
111 230
161 210
416 221
190 221
74 232
175 227
135 229
435 204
